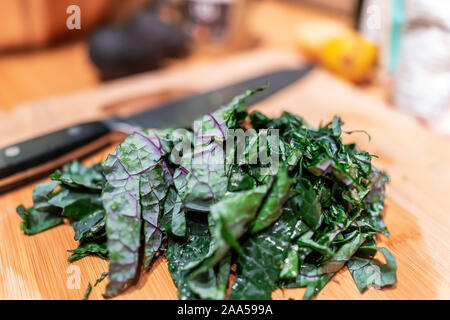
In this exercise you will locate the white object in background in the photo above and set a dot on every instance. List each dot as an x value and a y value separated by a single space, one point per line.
422 77
432 12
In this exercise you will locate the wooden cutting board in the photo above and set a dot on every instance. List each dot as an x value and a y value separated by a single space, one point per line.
417 209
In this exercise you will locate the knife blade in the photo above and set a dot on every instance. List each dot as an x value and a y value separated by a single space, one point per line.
169 115
24 156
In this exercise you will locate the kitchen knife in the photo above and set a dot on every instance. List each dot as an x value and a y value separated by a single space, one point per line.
26 155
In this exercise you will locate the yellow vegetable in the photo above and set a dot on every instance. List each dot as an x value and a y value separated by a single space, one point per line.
350 56
311 36
339 49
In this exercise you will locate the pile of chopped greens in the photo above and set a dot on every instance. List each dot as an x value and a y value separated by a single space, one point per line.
295 227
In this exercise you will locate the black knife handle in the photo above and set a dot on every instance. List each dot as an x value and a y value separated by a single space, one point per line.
31 153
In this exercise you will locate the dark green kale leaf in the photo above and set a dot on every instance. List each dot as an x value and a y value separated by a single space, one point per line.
35 221
259 120
369 273
314 276
102 277
42 215
75 203
374 203
315 284
286 122
76 175
308 276
212 283
345 252
272 208
42 193
240 180
261 260
368 249
87 292
89 287
87 249
290 265
229 220
306 203
182 252
80 203
91 226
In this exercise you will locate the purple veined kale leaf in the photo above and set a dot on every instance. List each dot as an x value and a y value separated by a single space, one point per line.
154 186
368 273
345 252
174 215
138 178
202 178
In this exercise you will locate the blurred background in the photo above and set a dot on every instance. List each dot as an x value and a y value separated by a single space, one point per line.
398 51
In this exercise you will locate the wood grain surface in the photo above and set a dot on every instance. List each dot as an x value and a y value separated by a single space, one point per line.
417 161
